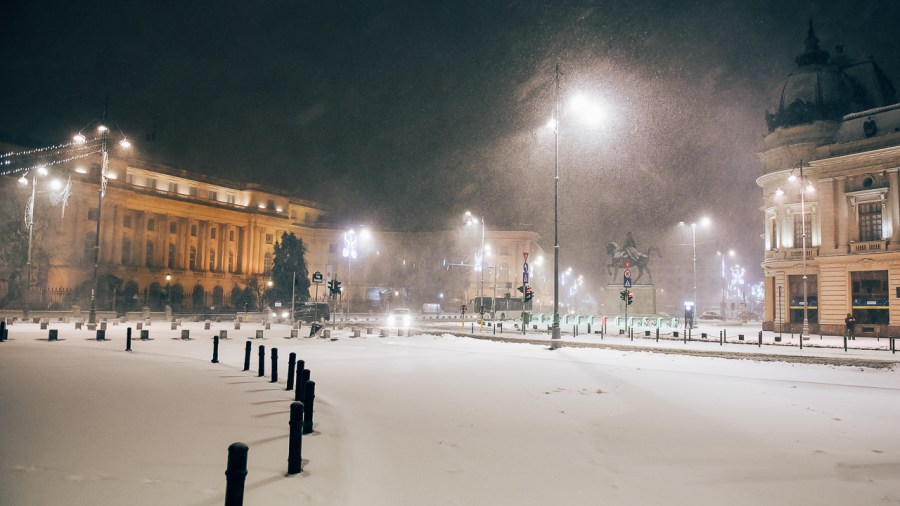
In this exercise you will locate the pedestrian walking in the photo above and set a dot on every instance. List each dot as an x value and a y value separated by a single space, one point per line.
850 323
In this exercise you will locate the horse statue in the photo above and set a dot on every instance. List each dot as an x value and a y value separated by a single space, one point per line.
618 256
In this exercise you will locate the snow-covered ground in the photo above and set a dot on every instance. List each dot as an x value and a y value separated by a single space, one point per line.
439 419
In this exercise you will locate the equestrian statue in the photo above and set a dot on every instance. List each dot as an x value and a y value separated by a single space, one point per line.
628 252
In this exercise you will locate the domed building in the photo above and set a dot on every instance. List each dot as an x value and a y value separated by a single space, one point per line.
831 195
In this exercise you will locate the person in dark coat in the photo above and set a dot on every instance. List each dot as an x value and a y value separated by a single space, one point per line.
850 322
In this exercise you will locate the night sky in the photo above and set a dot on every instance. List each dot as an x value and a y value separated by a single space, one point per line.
403 115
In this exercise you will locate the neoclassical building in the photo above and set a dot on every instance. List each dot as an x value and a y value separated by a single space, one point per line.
830 177
169 236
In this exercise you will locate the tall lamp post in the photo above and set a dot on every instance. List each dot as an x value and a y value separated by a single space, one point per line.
803 189
554 329
32 204
104 168
705 222
470 218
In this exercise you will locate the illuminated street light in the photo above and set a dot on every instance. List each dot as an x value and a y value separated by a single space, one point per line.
704 221
809 188
471 219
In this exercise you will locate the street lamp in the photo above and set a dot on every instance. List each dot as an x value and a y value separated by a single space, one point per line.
103 131
470 219
704 221
809 188
352 242
168 293
30 209
724 302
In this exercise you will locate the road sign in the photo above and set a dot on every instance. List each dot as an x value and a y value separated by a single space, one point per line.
525 254
525 277
626 283
627 273
317 277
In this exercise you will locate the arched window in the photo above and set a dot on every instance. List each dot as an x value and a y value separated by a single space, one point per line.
193 259
149 254
198 297
212 260
171 261
126 251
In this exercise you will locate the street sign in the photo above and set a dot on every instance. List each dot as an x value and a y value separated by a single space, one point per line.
627 273
317 277
626 283
525 277
525 254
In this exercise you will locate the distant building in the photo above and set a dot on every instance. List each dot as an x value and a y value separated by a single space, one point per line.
835 119
168 236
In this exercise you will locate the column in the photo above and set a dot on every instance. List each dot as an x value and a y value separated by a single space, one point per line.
894 207
842 212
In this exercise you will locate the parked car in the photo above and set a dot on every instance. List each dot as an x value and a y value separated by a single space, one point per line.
310 310
710 315
399 317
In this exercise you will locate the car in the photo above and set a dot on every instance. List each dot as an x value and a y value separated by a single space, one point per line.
399 317
309 311
710 315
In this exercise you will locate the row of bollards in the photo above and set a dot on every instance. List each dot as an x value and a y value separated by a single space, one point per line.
301 419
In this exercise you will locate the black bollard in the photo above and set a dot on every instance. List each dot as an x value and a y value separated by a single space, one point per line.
298 386
760 339
215 358
247 356
845 341
292 359
2 330
274 365
295 439
101 335
308 399
128 339
262 360
721 337
236 474
657 334
589 327
893 346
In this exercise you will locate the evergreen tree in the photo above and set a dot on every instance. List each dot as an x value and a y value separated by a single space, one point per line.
289 267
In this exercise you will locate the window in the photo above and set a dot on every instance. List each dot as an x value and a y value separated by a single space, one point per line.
93 214
801 222
129 178
192 260
126 251
212 260
151 183
230 261
194 230
90 241
126 221
871 302
151 224
171 262
193 191
332 248
307 218
173 227
229 198
212 232
149 259
267 263
270 204
293 214
173 187
213 195
869 222
231 235
269 238
795 285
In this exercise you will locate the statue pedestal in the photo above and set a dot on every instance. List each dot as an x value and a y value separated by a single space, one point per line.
644 300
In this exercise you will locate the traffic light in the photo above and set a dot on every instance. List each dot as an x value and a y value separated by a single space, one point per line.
337 287
630 297
521 288
623 294
529 294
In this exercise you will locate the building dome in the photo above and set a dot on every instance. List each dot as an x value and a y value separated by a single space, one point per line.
818 91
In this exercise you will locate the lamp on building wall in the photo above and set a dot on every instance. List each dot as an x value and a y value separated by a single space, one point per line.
805 187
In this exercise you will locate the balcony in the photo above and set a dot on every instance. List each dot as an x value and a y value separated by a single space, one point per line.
868 247
791 254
